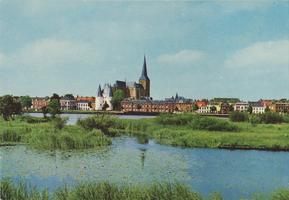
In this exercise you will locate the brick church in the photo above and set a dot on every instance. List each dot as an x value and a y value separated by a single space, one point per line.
133 90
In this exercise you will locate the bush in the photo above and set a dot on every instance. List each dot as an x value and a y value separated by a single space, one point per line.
58 122
286 118
102 122
237 116
173 119
270 118
212 124
10 135
31 119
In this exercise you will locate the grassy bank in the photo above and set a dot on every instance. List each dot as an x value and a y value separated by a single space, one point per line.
50 134
197 131
109 190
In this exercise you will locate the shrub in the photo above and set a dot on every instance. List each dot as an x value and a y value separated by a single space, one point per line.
237 116
270 118
58 122
173 119
212 124
102 122
32 119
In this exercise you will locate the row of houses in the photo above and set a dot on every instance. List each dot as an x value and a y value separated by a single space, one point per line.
221 105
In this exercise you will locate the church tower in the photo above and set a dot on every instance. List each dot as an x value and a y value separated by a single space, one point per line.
144 79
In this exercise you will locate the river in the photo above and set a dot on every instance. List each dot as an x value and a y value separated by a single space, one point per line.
234 173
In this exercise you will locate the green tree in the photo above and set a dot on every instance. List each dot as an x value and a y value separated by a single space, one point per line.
250 109
44 111
55 96
26 101
231 108
138 106
9 107
267 109
54 107
176 108
284 110
118 97
195 107
213 108
69 96
105 106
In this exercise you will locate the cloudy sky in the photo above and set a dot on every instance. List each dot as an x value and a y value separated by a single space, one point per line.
198 49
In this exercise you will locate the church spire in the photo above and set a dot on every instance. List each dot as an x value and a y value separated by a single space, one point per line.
144 75
99 92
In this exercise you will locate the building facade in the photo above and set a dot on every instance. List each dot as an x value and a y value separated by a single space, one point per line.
68 103
39 102
158 106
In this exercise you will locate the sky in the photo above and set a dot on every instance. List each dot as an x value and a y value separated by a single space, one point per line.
199 50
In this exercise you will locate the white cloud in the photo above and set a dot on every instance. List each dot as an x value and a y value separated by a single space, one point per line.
183 57
261 55
49 53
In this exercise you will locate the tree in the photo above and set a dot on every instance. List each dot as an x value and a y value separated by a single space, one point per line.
195 107
118 97
69 96
267 109
54 107
105 106
249 109
9 107
231 108
55 96
284 110
213 108
176 108
26 101
138 106
44 111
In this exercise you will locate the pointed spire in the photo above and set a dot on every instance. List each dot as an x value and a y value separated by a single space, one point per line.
110 92
144 75
99 92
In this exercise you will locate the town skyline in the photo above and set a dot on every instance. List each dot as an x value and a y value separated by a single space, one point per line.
196 49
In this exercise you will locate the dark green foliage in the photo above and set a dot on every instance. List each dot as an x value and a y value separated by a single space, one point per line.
176 108
105 106
231 108
10 135
118 97
9 107
58 122
213 108
250 109
138 106
267 109
26 101
102 122
44 110
31 119
284 110
286 118
173 119
54 107
212 124
237 116
195 107
55 96
270 118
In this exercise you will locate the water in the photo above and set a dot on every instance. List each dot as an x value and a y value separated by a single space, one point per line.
234 173
73 117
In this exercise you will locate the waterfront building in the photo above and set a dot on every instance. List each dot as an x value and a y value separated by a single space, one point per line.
68 103
82 105
241 106
134 90
148 105
39 102
103 96
257 107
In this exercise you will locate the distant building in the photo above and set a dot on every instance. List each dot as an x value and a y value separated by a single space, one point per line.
103 96
257 107
39 102
158 106
241 106
82 105
133 90
68 103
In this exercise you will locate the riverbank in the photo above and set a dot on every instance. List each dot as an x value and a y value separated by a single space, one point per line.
111 190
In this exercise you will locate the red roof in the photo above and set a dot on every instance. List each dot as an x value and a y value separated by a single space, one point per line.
201 104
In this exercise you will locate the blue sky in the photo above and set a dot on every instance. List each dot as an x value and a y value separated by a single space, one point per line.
198 49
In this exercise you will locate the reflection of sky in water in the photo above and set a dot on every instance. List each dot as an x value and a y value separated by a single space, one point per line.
234 173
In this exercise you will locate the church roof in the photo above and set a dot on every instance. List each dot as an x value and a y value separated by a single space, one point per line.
120 83
99 92
144 74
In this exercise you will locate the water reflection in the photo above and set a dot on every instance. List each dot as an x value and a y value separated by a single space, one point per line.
143 156
142 139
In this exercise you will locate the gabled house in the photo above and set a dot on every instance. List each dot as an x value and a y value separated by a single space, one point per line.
68 103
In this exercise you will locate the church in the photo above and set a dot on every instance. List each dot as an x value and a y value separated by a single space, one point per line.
132 90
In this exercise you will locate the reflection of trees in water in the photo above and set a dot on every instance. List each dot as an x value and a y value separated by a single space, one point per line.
142 139
142 157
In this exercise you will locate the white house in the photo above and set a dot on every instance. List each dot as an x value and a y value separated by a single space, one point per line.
103 96
241 106
257 107
82 105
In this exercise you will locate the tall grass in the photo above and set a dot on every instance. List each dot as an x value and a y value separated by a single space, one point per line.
106 190
102 122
